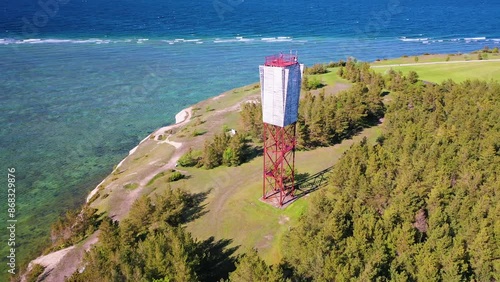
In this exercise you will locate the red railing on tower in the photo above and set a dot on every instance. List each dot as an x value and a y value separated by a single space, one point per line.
281 60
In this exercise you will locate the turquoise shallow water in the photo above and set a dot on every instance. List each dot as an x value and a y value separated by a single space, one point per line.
99 77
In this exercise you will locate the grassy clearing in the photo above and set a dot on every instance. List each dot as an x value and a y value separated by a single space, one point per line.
433 58
485 70
332 82
331 77
233 209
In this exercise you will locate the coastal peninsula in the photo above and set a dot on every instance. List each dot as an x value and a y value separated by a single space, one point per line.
227 197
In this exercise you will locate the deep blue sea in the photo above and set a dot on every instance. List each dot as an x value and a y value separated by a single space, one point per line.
83 81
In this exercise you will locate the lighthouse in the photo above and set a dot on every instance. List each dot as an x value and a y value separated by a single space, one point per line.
280 82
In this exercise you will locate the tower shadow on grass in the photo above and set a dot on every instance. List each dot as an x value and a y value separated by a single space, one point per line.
307 183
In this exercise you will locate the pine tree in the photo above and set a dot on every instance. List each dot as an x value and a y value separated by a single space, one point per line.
251 268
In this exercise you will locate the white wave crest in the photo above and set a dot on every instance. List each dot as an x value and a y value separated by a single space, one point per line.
475 38
277 39
6 41
404 39
182 40
236 39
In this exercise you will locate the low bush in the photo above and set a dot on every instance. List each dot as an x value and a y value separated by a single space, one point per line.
34 273
175 176
311 83
189 159
316 69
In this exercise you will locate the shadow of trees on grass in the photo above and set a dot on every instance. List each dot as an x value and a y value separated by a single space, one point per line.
217 260
194 207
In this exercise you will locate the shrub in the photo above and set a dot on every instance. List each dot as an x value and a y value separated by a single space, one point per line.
198 121
73 227
198 132
316 69
36 271
130 186
175 176
340 63
94 197
188 159
311 83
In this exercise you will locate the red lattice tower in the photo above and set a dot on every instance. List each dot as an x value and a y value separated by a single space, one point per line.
280 79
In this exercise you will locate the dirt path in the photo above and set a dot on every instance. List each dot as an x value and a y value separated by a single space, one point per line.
436 63
181 118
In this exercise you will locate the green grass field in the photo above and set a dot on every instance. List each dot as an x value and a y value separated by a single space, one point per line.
331 78
435 58
233 209
484 70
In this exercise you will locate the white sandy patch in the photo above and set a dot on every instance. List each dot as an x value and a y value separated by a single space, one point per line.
180 118
218 97
93 192
182 115
61 264
52 259
251 101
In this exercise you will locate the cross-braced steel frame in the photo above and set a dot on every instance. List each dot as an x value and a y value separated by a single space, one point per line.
279 162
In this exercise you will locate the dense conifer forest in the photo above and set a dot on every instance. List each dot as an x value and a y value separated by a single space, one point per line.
419 205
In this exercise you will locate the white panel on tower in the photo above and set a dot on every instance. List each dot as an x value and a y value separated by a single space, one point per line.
280 93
